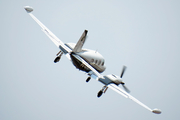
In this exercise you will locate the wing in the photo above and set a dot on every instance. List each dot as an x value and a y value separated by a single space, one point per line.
125 94
96 75
54 39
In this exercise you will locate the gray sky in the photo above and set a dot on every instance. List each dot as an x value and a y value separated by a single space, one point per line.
143 35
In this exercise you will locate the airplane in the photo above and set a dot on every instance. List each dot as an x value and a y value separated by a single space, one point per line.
89 61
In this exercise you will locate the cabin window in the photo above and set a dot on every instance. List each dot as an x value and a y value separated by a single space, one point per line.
99 62
96 62
102 63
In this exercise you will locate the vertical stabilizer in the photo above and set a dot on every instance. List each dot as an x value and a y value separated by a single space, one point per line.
81 42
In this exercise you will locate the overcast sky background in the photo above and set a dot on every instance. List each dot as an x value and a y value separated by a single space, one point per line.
141 34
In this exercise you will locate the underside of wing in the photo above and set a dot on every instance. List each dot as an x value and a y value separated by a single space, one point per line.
125 94
54 39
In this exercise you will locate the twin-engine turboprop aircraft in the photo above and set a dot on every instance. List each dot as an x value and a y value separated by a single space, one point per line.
89 61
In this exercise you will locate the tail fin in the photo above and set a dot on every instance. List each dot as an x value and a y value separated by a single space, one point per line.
81 42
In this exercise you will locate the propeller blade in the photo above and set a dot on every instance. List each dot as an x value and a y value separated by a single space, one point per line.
123 70
126 89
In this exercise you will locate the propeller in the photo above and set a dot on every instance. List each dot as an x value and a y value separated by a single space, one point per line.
123 70
123 84
125 88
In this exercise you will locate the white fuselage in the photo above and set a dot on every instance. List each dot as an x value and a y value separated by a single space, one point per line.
94 58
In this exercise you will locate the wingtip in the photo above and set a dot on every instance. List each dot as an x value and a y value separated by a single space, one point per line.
28 9
156 111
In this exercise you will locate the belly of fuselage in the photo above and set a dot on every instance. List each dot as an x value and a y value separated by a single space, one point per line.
78 64
94 59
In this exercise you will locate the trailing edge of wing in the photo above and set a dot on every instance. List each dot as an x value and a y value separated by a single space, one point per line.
125 94
55 40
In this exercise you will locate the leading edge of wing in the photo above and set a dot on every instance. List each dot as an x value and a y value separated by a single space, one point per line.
54 39
125 94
